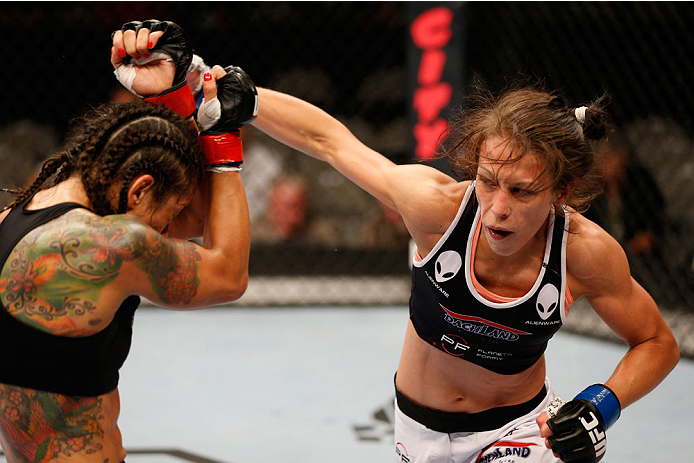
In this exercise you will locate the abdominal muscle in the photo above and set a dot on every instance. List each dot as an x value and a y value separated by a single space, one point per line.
49 427
439 381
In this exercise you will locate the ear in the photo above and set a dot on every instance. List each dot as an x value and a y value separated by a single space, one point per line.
564 193
139 188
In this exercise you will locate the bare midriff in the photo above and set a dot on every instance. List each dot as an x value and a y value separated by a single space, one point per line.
49 427
439 381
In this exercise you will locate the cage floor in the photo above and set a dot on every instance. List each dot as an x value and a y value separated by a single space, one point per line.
305 385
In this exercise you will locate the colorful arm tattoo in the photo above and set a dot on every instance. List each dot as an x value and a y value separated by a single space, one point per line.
58 272
171 266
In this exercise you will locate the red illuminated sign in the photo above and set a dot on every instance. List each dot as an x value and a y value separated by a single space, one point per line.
431 32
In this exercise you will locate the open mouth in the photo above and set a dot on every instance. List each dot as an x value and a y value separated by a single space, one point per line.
498 233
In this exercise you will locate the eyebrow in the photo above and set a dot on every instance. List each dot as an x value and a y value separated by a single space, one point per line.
520 183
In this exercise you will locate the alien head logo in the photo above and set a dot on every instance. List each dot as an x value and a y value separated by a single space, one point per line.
447 265
547 301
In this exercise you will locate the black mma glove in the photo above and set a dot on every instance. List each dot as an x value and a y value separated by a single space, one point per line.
173 45
578 427
219 119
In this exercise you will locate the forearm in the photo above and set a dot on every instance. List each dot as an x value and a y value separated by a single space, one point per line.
644 367
227 231
299 124
314 132
576 430
629 311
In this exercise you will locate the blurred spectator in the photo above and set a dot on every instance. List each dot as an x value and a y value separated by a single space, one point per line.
262 165
384 228
288 218
632 210
665 148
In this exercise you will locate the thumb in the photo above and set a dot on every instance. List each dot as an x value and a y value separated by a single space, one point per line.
209 86
541 421
209 82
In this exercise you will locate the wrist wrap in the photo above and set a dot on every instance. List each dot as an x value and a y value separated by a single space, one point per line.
604 400
178 99
223 149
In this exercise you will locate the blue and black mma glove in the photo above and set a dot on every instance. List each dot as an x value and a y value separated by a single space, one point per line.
174 46
579 426
219 120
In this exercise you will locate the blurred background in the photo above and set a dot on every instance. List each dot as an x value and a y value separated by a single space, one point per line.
392 72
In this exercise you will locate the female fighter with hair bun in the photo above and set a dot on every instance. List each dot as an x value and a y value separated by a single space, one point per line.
499 259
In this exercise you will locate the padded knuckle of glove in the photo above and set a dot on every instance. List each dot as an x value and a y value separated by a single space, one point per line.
239 97
578 433
174 43
579 426
236 104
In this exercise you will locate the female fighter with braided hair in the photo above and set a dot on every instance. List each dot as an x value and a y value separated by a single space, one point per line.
499 259
96 230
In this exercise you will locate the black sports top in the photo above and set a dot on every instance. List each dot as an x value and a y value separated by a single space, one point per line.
31 358
450 314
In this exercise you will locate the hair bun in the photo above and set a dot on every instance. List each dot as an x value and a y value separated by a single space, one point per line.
580 114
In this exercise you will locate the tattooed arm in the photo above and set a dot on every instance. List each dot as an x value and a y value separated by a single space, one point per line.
69 276
181 275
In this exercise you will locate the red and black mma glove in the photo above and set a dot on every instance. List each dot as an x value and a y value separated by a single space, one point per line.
173 45
219 119
578 428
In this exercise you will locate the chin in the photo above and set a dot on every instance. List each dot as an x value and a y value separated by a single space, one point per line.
503 251
502 248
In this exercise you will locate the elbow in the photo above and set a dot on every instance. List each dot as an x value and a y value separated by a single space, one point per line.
669 348
674 350
238 287
229 288
235 288
243 286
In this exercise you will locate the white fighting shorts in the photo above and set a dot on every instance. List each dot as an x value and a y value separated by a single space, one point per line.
518 441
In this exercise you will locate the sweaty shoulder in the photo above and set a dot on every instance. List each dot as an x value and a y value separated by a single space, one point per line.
89 247
427 199
59 277
595 261
90 231
72 230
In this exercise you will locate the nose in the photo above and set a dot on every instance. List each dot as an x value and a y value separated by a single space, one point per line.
501 206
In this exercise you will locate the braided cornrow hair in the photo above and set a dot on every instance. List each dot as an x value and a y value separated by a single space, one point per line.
117 142
52 167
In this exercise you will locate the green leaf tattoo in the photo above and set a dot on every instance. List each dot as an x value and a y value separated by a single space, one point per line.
58 272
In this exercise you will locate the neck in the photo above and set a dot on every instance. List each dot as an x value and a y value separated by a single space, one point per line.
534 248
514 275
68 191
